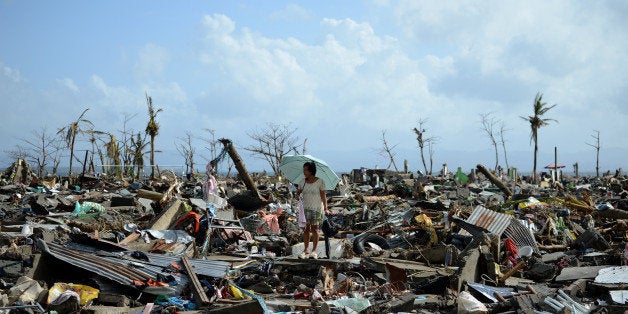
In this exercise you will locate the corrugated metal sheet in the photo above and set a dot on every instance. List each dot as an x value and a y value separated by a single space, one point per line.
217 269
496 223
122 274
502 224
211 268
521 235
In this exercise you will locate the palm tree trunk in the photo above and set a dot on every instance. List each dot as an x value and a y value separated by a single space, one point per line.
71 154
152 156
536 149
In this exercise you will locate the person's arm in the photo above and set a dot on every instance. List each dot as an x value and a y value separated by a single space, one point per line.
300 188
324 199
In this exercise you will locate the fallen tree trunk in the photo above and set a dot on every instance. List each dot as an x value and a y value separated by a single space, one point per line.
151 195
495 180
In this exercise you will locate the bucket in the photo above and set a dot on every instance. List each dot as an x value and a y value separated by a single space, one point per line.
526 251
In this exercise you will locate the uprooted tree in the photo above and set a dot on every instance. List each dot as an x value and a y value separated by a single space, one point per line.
273 143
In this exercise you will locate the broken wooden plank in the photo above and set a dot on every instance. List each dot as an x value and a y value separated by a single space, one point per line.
167 217
151 195
199 294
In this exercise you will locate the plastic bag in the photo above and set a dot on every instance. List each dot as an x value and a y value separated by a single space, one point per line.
88 209
86 293
467 304
301 219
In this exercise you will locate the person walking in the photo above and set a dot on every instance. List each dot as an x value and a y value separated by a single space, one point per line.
312 191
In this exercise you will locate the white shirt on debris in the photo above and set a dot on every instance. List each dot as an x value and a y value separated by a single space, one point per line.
311 194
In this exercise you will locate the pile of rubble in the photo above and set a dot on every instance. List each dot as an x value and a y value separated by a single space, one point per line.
395 242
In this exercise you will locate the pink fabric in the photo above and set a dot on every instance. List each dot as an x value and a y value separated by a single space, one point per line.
271 223
211 186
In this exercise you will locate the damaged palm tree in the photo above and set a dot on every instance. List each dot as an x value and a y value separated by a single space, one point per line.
251 199
536 121
71 131
152 130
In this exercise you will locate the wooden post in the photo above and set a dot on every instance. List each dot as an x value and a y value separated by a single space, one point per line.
494 180
199 294
237 161
555 176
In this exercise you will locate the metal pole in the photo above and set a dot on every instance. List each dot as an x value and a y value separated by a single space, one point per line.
555 177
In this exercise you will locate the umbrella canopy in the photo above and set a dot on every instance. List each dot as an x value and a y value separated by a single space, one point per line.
553 166
292 168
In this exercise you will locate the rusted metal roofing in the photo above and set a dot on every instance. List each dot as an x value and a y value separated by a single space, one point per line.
502 224
496 223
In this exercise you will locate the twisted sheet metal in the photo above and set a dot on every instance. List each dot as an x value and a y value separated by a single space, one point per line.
521 235
502 224
122 274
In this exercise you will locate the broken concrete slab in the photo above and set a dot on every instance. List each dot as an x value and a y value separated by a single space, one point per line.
573 273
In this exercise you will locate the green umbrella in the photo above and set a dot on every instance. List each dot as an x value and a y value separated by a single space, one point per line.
291 167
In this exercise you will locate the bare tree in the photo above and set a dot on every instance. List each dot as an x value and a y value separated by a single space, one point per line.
430 145
19 152
488 126
93 137
387 150
71 130
187 151
127 146
212 142
302 152
41 148
597 147
152 130
423 141
273 143
502 140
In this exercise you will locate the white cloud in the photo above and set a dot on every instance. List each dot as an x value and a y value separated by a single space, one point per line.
445 61
292 13
69 84
12 74
152 62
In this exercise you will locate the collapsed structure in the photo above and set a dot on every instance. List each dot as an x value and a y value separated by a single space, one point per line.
396 242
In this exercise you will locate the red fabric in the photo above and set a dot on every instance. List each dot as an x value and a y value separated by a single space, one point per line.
197 220
511 247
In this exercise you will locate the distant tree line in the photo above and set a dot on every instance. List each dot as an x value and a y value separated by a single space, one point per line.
125 155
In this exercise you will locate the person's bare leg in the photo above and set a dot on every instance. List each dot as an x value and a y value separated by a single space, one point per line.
306 238
314 230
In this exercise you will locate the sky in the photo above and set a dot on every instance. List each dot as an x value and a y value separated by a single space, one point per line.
339 72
